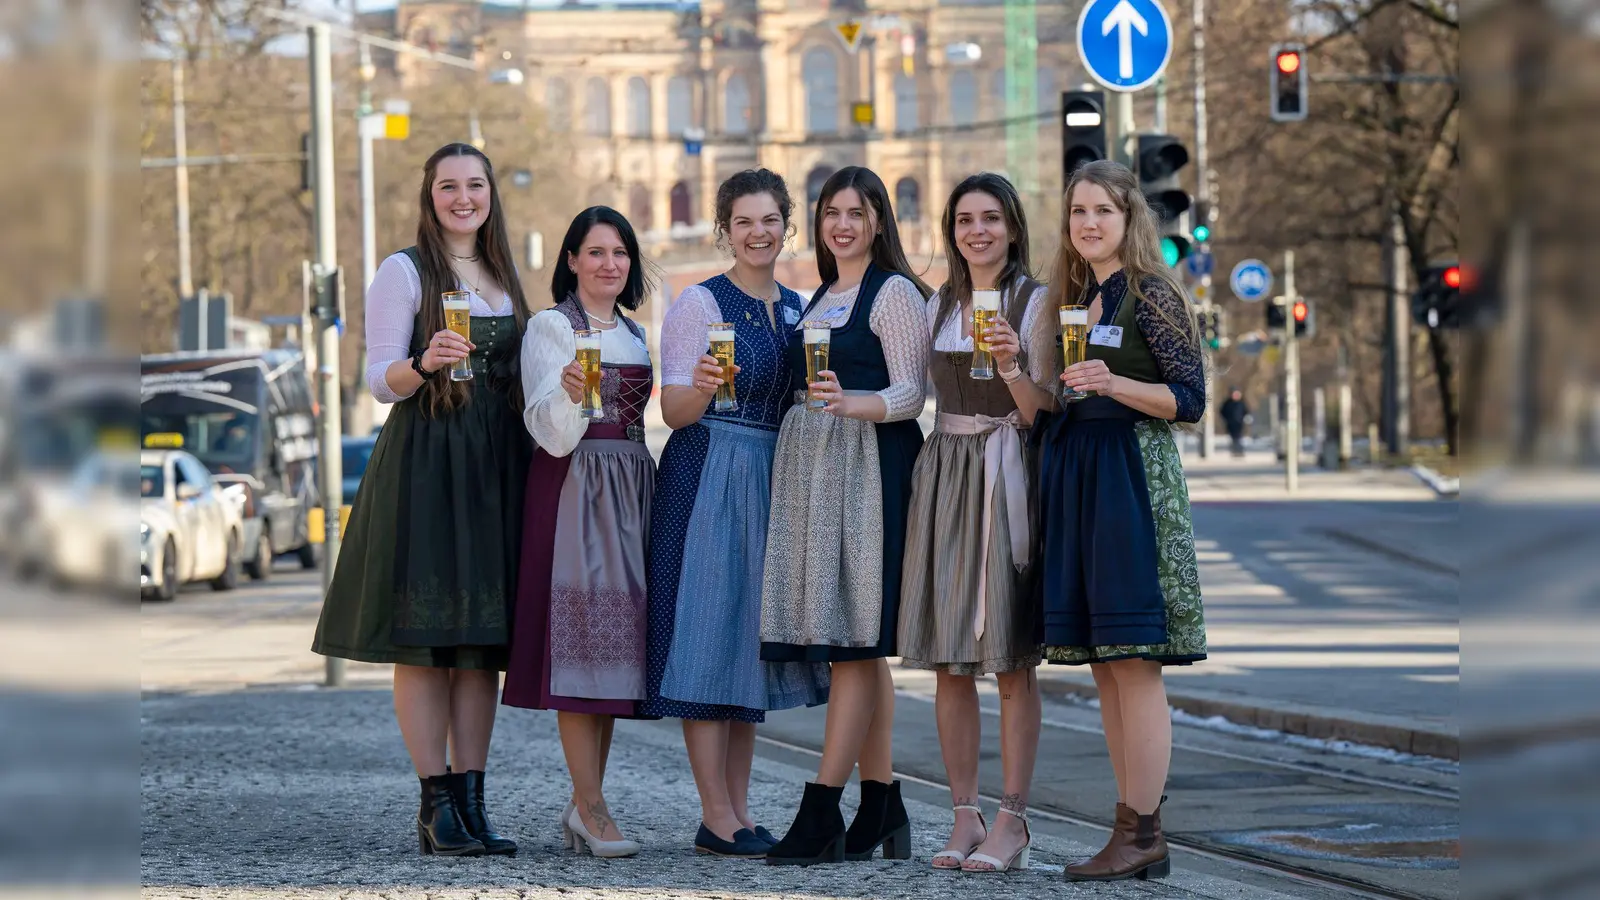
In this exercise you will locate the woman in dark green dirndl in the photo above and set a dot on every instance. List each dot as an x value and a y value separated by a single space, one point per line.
428 567
1120 585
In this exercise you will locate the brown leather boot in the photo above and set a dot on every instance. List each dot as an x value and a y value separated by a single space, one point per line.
1137 850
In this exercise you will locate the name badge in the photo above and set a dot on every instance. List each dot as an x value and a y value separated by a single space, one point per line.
1106 336
836 315
791 316
638 341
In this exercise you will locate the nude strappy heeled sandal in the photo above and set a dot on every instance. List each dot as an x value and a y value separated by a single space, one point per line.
1018 861
957 855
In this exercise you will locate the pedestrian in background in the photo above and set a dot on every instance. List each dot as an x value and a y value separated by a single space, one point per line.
708 531
1121 583
578 644
1235 416
966 607
840 490
428 564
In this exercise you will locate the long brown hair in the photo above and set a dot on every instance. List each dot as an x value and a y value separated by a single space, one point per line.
958 285
441 395
1140 253
886 250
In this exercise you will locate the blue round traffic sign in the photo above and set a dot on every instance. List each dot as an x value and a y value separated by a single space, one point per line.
1200 263
1251 280
1125 44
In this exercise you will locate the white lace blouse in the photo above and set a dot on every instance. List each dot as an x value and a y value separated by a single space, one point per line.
392 301
949 339
899 319
547 347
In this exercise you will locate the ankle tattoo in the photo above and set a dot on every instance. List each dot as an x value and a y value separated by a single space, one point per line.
602 821
966 801
1014 803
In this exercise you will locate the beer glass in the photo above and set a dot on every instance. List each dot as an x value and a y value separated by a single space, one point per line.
1074 344
458 318
818 335
720 336
589 361
985 308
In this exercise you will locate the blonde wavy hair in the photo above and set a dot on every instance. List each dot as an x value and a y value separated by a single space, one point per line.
1141 257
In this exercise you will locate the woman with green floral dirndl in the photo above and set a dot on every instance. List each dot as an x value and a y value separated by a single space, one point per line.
1121 588
428 566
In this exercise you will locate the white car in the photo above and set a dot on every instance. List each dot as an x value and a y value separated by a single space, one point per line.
190 529
79 531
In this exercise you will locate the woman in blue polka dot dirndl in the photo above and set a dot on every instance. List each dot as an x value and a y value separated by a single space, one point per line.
708 524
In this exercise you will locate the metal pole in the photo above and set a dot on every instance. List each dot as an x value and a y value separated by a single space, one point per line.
1399 330
1202 194
1291 381
180 141
1161 106
369 216
1125 137
328 438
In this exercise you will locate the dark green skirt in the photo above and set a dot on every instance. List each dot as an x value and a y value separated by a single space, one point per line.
427 572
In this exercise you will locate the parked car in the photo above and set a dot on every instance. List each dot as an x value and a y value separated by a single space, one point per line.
191 528
79 531
357 451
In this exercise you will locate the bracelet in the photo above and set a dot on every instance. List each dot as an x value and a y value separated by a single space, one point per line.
416 364
1012 376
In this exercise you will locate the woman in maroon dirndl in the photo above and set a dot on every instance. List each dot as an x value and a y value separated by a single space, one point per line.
578 633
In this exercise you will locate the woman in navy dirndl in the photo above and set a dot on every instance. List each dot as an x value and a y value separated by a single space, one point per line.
708 522
1121 586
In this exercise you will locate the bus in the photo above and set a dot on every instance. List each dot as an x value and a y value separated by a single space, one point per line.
250 417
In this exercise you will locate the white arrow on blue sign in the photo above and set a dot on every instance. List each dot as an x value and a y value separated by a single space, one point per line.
1125 44
1200 264
1251 280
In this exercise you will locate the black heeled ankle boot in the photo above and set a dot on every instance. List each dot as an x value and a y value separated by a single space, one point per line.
468 790
440 830
881 819
817 835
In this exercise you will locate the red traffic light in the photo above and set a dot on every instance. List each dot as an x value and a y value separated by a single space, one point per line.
1300 310
1289 62
1452 277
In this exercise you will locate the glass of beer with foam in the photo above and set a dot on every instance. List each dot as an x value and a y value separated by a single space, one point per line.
589 361
818 335
985 309
458 318
1074 344
720 336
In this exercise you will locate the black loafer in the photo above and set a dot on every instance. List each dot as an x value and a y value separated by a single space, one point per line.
766 835
745 844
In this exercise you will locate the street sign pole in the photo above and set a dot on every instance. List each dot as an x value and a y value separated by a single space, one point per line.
1291 381
330 451
1208 424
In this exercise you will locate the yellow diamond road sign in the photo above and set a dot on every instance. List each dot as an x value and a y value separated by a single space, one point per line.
851 32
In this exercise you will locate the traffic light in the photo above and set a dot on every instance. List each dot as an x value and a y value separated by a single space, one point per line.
1287 79
1160 156
1083 129
1214 327
1305 323
1275 314
1436 303
1200 216
1279 310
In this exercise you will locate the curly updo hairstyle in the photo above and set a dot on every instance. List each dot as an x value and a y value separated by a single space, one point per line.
745 183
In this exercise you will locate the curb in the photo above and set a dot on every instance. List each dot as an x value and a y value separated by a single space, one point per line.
1389 732
1441 485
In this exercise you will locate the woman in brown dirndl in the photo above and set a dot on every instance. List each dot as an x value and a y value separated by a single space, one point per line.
578 639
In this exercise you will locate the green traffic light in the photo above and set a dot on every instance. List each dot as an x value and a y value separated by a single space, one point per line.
1202 233
1169 251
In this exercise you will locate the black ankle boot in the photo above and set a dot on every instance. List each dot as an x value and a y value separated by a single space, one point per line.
439 827
468 790
817 835
881 819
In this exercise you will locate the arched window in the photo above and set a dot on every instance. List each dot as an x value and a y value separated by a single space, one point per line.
736 105
681 214
820 73
597 107
814 182
963 97
905 103
680 105
639 208
558 103
907 200
638 107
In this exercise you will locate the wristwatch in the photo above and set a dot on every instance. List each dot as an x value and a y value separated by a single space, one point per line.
416 364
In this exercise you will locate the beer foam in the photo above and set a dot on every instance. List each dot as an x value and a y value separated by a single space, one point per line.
465 303
989 300
1074 317
818 335
589 341
720 334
